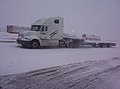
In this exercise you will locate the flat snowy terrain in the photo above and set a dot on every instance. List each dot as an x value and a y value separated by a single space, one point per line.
102 74
88 68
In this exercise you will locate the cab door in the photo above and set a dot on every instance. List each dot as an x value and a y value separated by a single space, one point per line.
43 32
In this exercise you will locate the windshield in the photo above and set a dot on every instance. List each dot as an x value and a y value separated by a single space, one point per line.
35 28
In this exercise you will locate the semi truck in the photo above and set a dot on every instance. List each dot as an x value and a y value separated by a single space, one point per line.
48 32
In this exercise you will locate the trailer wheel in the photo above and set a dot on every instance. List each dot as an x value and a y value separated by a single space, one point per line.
70 45
101 46
108 46
35 44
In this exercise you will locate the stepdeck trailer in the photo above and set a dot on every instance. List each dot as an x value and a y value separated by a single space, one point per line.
99 44
95 41
48 32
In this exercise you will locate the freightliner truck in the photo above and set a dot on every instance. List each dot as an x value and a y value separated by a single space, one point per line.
48 32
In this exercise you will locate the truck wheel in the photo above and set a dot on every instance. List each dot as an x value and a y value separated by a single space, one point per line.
35 44
76 45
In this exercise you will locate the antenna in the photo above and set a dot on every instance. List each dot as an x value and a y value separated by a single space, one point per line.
31 19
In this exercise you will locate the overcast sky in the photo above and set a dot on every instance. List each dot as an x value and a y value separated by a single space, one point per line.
99 17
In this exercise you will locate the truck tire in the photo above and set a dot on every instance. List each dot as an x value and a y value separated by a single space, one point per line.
35 44
76 45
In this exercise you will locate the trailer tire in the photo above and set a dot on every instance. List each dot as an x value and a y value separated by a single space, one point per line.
35 44
101 46
70 45
108 46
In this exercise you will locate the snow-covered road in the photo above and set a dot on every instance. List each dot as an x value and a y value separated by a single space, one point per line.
100 74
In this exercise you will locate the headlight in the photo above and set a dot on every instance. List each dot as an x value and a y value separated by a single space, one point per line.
26 38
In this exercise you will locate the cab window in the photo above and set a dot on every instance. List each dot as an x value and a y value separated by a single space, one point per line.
35 28
44 28
56 21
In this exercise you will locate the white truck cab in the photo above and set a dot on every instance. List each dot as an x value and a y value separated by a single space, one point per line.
44 32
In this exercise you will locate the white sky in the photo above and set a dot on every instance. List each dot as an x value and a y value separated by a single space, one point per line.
99 17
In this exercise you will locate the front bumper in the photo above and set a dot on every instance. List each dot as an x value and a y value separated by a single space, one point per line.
24 43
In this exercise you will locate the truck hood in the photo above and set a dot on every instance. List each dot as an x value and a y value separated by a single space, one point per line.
27 33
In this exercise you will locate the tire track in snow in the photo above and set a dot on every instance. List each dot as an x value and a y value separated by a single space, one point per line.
101 74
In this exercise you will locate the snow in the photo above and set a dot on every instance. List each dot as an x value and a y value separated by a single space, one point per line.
117 84
99 74
4 36
14 59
